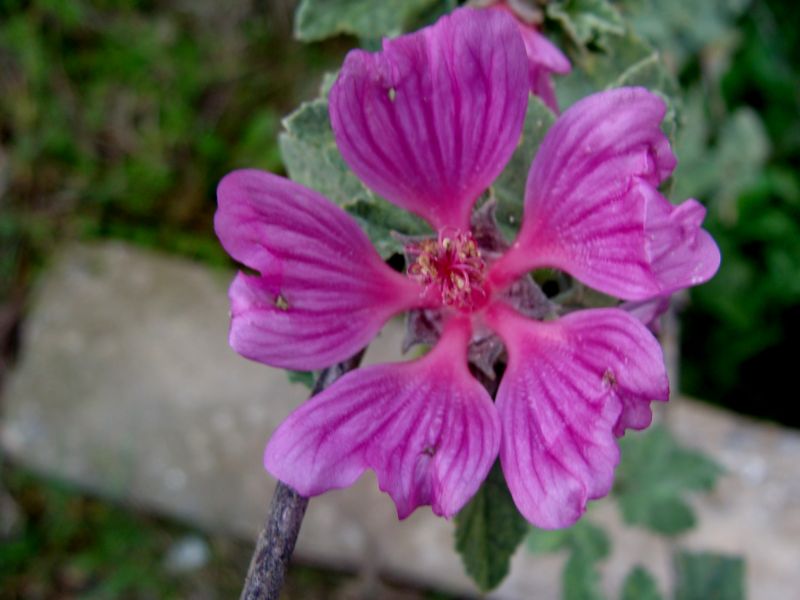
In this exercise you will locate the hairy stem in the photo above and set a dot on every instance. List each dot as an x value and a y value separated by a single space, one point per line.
278 536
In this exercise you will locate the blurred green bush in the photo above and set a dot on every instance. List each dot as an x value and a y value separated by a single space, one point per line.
118 117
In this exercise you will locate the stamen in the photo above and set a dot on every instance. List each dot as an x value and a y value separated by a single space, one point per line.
450 268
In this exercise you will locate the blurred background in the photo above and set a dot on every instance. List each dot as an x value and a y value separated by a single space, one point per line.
119 117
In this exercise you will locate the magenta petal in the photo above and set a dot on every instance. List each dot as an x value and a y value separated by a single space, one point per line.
648 312
570 387
544 58
591 207
427 428
542 85
681 253
323 291
431 120
543 52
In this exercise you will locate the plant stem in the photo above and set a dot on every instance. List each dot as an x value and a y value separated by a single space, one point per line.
277 538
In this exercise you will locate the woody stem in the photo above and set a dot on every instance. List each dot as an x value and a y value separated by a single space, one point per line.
278 536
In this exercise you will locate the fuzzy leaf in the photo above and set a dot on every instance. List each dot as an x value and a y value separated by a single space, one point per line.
328 79
707 576
488 531
694 177
509 188
367 19
640 585
617 58
653 476
622 60
311 157
743 148
648 72
586 20
379 219
683 28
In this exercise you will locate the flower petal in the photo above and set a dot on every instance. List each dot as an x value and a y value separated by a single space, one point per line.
543 52
427 428
681 253
648 312
323 292
571 385
432 119
544 58
592 209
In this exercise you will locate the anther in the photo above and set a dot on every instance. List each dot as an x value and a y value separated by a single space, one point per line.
450 268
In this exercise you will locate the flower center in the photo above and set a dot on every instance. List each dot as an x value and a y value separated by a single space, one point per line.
451 268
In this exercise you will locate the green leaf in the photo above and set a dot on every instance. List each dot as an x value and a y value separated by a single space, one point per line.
379 219
488 531
583 538
696 174
742 149
622 60
589 540
650 72
683 28
729 168
587 544
670 516
509 188
707 576
311 157
652 478
581 579
609 55
545 541
586 20
367 19
328 79
640 585
305 378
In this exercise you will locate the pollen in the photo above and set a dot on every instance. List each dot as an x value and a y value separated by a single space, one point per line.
609 378
281 303
450 268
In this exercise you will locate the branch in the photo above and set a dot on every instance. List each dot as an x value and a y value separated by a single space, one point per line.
277 538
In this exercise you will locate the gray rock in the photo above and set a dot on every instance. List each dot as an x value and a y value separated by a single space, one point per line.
127 387
187 554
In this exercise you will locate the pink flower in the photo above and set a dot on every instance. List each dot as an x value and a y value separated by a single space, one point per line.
544 58
428 123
